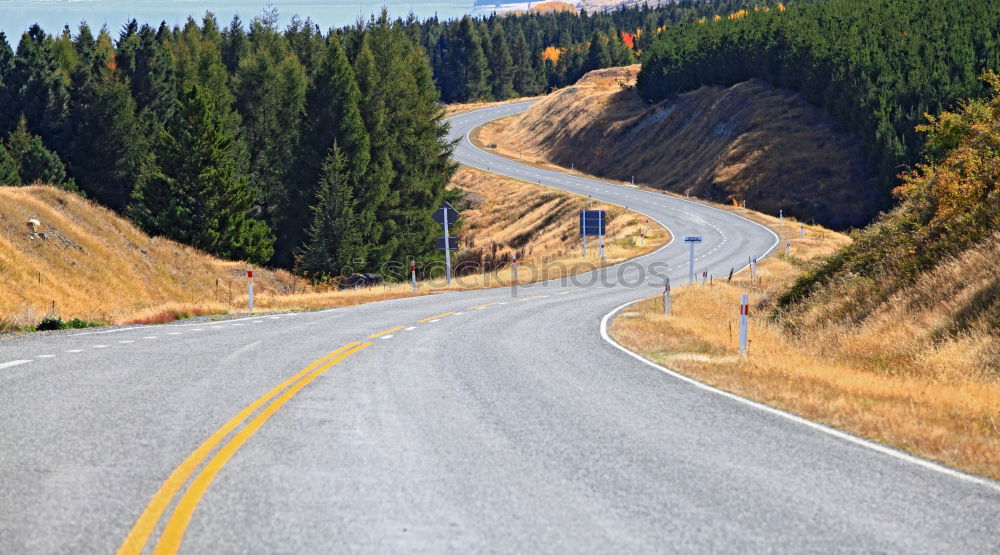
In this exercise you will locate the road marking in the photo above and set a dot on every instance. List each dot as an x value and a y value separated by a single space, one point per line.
381 333
137 537
150 337
173 333
390 336
75 351
198 329
458 313
435 318
879 447
126 341
173 532
482 306
100 347
568 292
13 363
410 328
46 356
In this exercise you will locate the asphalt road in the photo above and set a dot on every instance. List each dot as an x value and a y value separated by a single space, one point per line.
488 421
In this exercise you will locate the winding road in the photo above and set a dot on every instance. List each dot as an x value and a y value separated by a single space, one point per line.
481 421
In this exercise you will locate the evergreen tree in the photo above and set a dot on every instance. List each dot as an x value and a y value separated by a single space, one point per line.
334 244
375 186
40 93
526 78
107 145
143 58
466 64
8 168
35 163
7 89
500 62
270 86
599 53
194 192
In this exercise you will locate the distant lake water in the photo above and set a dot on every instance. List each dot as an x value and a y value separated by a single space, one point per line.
17 15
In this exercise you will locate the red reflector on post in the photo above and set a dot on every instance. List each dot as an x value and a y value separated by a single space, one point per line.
250 274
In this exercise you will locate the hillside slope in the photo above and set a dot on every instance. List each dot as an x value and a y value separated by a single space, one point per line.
86 262
747 142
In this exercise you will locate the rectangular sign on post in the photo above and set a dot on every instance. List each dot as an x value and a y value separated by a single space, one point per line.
452 243
592 222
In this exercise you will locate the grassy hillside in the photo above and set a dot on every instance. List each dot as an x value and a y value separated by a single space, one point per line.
923 279
86 262
747 142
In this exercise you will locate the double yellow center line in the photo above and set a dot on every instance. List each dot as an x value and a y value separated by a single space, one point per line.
173 532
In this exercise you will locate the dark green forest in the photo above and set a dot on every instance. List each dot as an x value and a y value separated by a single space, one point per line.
246 141
876 66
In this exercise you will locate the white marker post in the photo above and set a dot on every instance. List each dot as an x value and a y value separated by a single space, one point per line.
646 232
788 247
447 248
602 246
515 267
666 296
704 278
413 274
802 231
753 270
250 288
781 216
744 322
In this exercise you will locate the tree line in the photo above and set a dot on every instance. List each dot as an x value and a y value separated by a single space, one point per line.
876 67
281 146
507 56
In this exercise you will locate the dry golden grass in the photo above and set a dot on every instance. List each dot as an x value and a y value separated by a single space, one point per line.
748 142
94 265
940 413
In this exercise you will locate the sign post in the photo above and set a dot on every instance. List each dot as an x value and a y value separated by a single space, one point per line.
666 295
781 216
413 274
788 247
446 215
691 240
515 266
744 322
592 223
250 288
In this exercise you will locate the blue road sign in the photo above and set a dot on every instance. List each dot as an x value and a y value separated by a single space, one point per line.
592 222
692 239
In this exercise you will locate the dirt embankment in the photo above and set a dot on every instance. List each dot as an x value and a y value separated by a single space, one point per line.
749 142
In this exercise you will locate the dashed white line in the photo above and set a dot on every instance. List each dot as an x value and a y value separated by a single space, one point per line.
75 351
45 356
389 336
150 337
410 328
126 341
173 333
13 363
434 320
99 347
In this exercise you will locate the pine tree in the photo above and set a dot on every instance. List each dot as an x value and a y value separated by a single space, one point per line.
7 90
375 190
107 145
526 78
142 57
501 62
8 168
35 163
270 86
40 92
194 192
334 244
599 54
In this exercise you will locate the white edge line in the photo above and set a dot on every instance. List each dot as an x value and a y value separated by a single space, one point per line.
878 447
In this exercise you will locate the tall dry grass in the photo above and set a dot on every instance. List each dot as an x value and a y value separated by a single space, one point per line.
859 380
